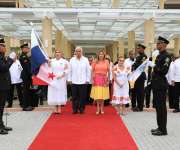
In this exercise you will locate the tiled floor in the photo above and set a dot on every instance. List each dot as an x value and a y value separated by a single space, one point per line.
26 126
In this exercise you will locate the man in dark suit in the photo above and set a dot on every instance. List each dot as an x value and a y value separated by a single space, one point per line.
160 86
26 77
5 84
138 91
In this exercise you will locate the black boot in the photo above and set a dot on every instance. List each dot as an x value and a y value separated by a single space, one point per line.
3 131
7 128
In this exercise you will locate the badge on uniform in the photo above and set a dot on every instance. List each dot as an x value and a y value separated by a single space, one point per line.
167 61
143 59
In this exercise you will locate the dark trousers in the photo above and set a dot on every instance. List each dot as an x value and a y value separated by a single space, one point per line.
161 110
107 102
89 100
37 95
138 94
133 95
177 95
171 96
69 91
26 94
11 93
148 90
79 94
3 98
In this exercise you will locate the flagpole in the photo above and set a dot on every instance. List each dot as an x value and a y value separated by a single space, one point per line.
40 41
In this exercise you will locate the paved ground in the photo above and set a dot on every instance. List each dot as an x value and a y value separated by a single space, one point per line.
26 125
140 123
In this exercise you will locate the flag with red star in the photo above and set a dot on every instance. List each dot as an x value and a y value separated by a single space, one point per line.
42 73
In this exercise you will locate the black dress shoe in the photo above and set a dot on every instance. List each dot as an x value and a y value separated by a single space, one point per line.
176 110
154 130
74 112
136 109
3 132
41 103
56 113
9 106
127 105
171 107
81 112
140 110
29 108
7 128
159 133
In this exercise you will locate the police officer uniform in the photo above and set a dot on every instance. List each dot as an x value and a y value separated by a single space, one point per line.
5 84
138 90
26 77
159 87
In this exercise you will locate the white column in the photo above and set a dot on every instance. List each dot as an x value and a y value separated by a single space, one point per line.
7 40
149 32
114 51
161 4
58 39
131 41
115 3
47 35
176 47
68 3
121 47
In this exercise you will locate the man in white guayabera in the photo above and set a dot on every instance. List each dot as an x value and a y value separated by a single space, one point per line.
79 77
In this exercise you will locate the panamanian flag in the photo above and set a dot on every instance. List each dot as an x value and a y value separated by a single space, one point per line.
42 73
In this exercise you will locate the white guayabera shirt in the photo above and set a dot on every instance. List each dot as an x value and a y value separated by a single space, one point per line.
79 70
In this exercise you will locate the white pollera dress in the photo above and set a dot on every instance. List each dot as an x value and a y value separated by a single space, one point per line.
57 91
121 94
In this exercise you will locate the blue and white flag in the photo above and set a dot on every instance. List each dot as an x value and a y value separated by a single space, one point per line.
38 56
42 74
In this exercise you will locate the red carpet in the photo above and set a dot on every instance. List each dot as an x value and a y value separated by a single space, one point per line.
84 132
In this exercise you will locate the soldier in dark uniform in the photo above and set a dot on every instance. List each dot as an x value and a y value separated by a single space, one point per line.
26 77
160 86
5 84
138 91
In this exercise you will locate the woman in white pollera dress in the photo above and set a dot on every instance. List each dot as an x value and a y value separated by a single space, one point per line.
121 86
57 91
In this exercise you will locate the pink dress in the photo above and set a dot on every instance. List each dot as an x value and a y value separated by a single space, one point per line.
100 89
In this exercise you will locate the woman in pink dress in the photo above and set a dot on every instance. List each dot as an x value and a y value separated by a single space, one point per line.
100 82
